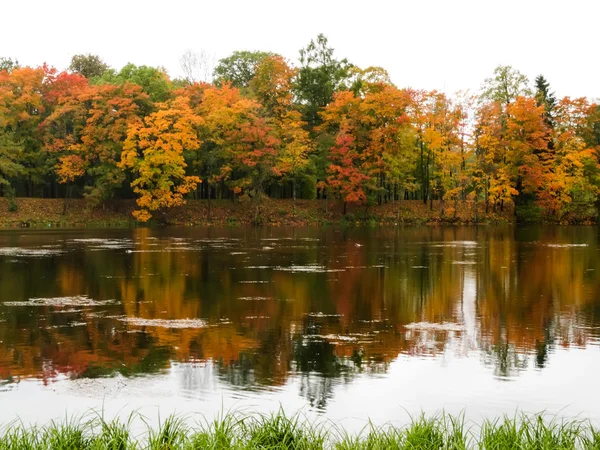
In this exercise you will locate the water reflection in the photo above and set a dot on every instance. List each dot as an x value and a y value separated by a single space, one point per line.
255 308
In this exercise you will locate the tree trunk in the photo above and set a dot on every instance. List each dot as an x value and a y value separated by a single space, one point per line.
64 213
209 204
294 193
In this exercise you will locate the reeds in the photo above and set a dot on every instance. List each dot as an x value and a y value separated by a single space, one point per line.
279 431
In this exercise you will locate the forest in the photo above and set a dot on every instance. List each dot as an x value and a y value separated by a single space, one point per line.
259 126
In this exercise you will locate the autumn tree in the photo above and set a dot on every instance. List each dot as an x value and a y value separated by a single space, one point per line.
87 129
272 86
441 138
345 177
527 136
153 151
374 135
22 109
573 187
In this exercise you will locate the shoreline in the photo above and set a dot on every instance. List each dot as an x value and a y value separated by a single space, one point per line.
48 213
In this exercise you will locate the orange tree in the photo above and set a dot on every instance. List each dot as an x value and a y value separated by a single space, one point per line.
153 151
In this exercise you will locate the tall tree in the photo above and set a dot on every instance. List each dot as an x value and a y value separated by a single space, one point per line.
319 77
505 86
544 97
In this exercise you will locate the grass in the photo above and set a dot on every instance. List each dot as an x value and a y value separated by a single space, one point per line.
280 431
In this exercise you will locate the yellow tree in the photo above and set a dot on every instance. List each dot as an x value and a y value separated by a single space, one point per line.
273 87
153 151
441 137
569 190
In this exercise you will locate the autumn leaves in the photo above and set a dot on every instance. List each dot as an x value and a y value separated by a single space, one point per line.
325 129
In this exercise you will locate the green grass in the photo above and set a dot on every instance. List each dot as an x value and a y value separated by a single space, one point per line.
280 431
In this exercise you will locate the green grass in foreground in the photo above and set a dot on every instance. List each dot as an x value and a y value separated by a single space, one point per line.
278 431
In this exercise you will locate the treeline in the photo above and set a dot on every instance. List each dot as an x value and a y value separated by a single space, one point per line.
324 128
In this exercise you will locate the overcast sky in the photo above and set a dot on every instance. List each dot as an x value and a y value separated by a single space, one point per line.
431 44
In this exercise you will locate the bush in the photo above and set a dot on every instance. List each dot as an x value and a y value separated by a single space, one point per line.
528 214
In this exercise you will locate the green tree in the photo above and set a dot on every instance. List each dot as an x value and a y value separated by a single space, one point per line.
239 68
10 154
319 77
88 65
545 97
154 81
8 64
505 86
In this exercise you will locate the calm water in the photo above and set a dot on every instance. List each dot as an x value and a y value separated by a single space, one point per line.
348 324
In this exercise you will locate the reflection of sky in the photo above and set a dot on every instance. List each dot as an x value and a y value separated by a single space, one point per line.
411 385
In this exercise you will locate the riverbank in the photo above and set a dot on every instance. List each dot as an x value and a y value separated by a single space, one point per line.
50 213
278 431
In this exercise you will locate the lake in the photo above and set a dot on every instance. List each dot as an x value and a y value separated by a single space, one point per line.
344 324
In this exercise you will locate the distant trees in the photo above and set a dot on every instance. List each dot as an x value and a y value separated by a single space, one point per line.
265 127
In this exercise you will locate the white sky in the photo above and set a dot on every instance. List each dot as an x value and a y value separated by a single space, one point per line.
430 44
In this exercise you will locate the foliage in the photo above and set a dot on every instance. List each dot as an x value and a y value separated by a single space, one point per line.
90 66
319 77
266 126
154 152
238 69
505 86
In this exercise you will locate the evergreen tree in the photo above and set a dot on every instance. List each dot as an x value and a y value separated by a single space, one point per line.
545 97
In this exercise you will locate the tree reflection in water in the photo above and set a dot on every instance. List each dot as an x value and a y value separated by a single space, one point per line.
265 306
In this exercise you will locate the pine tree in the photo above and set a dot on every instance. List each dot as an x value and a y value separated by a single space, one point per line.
544 97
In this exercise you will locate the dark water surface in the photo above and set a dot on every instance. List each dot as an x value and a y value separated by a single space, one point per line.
348 324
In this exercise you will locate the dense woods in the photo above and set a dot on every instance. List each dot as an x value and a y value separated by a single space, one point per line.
258 125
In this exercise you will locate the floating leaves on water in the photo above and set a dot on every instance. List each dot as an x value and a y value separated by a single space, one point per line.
320 314
566 245
451 244
335 337
29 252
61 302
311 268
164 323
104 244
430 326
